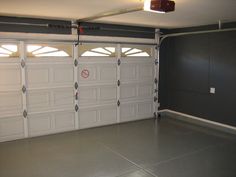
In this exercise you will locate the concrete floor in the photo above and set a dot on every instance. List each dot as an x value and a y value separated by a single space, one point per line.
146 148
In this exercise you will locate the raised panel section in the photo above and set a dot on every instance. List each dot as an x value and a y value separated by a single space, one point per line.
10 103
40 124
128 91
127 112
108 93
11 128
37 76
108 73
64 121
43 100
145 72
108 115
38 100
42 75
87 95
145 110
128 72
10 77
88 118
63 74
63 98
145 91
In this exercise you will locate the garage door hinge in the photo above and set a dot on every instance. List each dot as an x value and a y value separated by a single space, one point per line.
119 62
155 115
118 103
156 62
76 85
155 99
155 81
76 62
22 63
25 114
76 108
23 89
118 83
76 96
157 47
156 90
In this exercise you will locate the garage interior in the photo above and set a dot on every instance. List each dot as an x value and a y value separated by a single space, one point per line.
138 88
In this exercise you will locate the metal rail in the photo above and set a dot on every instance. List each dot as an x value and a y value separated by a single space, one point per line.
110 13
163 37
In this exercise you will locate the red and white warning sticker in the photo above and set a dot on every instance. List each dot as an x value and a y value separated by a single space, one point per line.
85 73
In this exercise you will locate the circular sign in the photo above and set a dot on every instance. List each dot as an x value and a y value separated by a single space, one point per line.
85 73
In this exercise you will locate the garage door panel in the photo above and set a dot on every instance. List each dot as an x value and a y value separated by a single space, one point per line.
88 118
43 100
108 94
136 91
40 124
128 72
37 76
10 103
49 75
87 95
52 122
128 112
145 91
64 121
63 98
97 95
108 73
38 100
11 128
63 74
96 116
144 109
128 91
145 72
10 77
108 115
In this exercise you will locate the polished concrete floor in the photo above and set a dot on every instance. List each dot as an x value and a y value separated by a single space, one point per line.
148 148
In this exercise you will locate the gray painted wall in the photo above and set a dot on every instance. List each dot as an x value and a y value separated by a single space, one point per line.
190 65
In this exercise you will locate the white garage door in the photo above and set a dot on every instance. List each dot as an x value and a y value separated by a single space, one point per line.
50 88
97 85
136 76
47 88
11 101
115 84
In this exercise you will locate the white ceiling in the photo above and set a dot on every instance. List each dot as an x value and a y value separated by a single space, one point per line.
188 12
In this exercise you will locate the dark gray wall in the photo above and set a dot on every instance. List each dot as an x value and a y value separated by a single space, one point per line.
190 65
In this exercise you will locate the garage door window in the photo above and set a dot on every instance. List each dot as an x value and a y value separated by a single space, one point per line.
136 51
89 50
9 50
45 50
97 50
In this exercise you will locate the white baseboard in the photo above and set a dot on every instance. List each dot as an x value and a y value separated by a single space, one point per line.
199 121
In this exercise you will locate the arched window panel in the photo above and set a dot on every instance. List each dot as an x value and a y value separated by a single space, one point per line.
101 50
97 50
48 50
9 50
136 51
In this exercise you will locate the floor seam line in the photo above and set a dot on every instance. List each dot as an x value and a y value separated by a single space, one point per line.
186 154
125 158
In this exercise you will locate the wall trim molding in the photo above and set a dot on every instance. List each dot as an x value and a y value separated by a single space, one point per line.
199 121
